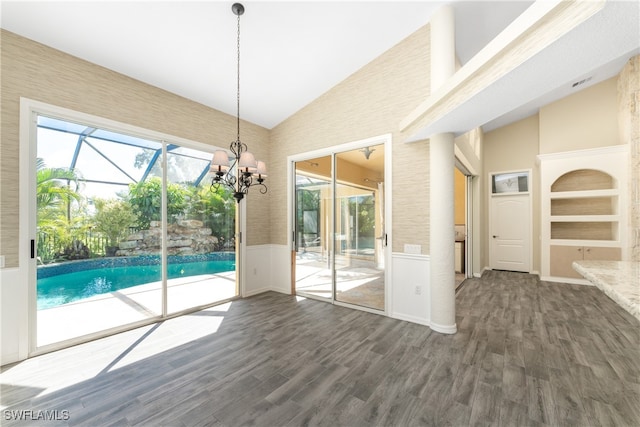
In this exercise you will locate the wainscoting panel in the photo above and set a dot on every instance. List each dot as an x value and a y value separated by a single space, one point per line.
281 269
257 270
13 317
267 268
410 288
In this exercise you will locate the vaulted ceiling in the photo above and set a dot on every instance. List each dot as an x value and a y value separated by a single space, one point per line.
292 52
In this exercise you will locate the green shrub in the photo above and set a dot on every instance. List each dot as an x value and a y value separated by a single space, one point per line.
113 218
145 199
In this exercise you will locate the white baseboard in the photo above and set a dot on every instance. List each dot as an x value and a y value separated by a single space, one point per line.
412 319
257 291
444 329
569 280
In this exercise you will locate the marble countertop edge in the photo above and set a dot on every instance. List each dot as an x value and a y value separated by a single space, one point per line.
619 280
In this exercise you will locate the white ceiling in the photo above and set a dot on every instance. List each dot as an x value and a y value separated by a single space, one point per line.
292 52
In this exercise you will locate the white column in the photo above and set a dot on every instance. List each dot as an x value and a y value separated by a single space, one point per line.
441 195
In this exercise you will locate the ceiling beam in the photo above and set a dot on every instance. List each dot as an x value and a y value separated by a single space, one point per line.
539 26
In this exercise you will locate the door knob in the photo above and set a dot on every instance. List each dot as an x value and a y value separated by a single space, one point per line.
495 236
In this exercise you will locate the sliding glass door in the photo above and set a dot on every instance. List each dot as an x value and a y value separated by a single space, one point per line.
339 227
201 263
313 225
127 229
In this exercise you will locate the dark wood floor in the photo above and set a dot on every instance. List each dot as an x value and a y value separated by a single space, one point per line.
526 353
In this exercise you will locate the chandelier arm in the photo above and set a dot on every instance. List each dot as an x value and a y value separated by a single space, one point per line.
264 188
245 182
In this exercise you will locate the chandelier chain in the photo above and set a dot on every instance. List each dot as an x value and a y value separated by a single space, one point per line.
238 76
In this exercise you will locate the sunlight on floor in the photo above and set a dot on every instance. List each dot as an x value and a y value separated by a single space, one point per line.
113 352
130 305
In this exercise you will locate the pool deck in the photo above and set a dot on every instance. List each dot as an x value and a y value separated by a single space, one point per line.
134 304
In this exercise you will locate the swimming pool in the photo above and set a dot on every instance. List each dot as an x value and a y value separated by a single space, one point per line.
68 282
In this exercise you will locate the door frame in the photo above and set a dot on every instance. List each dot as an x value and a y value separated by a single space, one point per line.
27 270
528 194
468 215
385 139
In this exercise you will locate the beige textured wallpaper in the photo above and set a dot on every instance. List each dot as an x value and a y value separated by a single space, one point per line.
370 102
38 72
629 115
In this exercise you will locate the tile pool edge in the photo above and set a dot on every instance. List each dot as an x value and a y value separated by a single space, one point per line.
56 269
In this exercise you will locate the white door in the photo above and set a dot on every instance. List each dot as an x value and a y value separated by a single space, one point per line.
509 233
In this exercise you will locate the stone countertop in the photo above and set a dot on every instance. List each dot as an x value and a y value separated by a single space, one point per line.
619 280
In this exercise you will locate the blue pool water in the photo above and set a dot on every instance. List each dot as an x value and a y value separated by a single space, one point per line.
75 285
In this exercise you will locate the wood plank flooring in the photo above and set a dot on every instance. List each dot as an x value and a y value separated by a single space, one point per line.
527 353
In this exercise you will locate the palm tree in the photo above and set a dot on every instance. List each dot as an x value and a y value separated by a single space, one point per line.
55 191
53 186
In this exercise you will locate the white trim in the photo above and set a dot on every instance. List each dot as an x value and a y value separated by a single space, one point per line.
469 253
388 205
621 148
385 139
353 145
27 230
165 235
404 255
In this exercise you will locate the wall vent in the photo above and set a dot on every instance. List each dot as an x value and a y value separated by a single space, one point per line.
581 82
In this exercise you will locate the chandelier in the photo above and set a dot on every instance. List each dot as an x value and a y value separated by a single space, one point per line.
242 170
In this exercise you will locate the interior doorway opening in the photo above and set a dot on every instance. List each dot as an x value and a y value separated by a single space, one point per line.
463 219
460 221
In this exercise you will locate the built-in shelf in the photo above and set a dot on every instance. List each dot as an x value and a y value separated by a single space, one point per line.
584 218
586 242
582 198
583 194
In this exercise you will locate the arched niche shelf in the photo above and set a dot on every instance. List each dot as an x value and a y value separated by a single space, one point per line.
584 179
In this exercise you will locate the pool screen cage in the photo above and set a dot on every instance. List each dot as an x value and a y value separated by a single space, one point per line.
104 163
